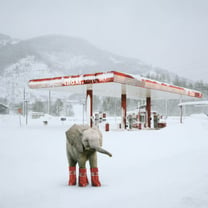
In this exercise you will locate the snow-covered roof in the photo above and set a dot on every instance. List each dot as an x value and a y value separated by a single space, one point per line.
111 83
199 103
3 105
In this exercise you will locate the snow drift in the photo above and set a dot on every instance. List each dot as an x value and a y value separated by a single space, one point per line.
166 168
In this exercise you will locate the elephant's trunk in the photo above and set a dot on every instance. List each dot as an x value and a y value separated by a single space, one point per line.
101 150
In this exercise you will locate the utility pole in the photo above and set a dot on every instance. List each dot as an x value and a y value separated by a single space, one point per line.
25 106
181 111
49 102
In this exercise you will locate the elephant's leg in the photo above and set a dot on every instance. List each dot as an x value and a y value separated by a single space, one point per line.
69 154
72 167
94 170
83 180
93 160
82 160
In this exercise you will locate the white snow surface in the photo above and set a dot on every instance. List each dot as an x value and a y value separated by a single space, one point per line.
164 168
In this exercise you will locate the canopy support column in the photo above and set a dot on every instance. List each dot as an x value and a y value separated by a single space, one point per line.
123 109
148 110
90 107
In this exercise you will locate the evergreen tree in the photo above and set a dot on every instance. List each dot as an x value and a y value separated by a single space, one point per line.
57 107
39 106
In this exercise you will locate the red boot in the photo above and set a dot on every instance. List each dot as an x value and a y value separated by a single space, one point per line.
72 176
94 177
83 181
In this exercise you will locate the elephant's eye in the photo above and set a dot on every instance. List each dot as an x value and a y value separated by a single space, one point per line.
86 143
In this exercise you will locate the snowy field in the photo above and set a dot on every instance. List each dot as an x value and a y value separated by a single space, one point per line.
164 168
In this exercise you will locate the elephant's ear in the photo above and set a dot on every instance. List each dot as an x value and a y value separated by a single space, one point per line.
74 137
78 143
100 138
100 135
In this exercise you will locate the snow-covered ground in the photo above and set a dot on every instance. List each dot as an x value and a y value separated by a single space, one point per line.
164 168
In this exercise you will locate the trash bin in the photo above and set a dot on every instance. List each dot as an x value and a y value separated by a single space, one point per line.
107 127
139 126
45 122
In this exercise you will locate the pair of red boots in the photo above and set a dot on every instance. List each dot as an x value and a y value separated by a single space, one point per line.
83 181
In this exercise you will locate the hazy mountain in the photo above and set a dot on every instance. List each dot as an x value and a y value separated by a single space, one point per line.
66 55
55 55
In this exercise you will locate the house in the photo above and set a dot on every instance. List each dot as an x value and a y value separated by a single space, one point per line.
3 109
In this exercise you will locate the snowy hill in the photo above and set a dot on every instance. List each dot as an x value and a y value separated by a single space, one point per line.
56 55
67 55
6 40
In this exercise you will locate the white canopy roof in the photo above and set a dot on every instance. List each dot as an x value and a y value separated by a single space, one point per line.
112 83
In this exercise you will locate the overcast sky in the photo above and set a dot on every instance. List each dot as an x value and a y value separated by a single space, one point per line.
172 34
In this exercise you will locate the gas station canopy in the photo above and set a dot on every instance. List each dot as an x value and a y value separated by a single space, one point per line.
113 84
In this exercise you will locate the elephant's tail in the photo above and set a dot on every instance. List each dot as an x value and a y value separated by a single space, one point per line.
101 150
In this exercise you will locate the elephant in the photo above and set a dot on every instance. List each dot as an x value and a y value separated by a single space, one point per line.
82 144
